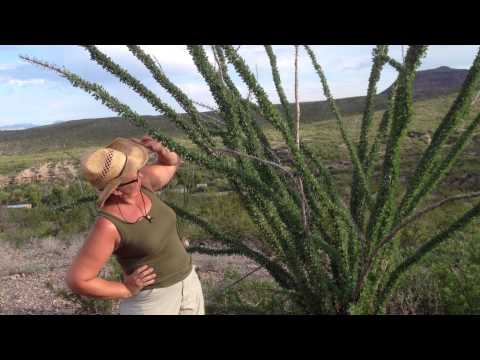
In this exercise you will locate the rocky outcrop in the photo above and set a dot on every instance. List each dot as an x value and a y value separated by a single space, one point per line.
435 82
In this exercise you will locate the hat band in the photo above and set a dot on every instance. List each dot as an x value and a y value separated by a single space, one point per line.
121 171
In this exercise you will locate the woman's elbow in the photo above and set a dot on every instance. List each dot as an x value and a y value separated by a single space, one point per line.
74 284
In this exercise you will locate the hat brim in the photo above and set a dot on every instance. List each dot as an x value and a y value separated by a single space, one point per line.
133 165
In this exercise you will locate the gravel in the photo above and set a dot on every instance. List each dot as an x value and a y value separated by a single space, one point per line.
32 277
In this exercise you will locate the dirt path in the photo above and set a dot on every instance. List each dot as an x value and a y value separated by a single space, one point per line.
32 277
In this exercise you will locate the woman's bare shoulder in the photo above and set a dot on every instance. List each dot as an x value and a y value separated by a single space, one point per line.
104 224
105 231
108 209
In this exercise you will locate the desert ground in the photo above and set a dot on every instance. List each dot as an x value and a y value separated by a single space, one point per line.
32 277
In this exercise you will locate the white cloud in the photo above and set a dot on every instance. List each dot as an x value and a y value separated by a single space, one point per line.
7 66
18 82
113 48
353 63
193 88
168 55
175 57
197 92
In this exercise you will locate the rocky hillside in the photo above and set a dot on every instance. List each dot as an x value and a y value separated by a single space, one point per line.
46 172
435 82
92 132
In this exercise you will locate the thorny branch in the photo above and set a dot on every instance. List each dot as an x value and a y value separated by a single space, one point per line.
421 213
297 139
271 163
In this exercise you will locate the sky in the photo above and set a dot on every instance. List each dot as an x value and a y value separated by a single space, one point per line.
31 94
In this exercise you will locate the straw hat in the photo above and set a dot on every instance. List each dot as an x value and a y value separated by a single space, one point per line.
108 167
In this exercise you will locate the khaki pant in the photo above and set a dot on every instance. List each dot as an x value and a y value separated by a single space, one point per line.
182 298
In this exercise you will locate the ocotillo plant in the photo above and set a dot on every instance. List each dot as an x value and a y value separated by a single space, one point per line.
332 257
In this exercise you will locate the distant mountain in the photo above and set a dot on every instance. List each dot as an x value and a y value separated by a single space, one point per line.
435 82
22 126
92 132
77 133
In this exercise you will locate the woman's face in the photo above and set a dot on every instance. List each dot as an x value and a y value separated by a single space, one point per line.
130 187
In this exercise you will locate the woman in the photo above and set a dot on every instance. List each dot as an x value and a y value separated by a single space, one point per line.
139 229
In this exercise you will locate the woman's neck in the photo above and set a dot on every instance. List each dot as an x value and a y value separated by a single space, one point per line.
128 199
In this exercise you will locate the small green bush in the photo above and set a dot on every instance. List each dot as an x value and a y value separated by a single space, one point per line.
90 305
225 210
249 296
43 219
446 282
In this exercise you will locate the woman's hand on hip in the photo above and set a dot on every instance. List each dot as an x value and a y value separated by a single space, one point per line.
137 280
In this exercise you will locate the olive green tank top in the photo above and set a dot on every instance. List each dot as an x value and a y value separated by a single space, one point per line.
154 243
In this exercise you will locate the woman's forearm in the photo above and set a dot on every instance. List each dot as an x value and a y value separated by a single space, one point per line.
100 288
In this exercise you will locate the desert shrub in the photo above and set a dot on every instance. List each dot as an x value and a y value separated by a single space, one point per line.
4 197
19 236
87 305
226 210
56 197
45 218
20 225
247 297
220 184
94 306
33 195
446 282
